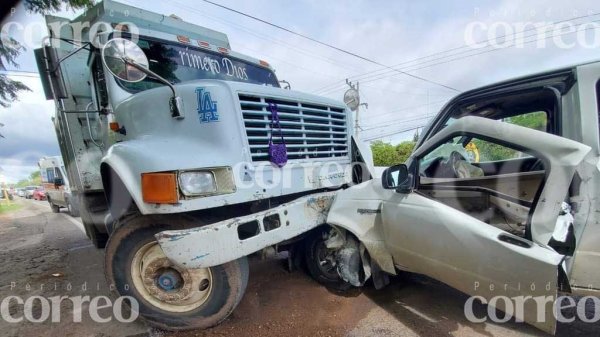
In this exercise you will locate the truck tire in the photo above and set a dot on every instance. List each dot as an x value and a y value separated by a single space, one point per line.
170 297
98 239
319 267
73 210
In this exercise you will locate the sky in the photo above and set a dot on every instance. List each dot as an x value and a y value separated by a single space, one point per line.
426 39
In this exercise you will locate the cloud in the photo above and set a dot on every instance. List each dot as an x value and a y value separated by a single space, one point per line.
28 131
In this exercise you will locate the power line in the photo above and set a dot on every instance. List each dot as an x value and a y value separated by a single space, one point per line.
526 42
326 44
394 133
308 53
396 123
358 77
389 74
407 108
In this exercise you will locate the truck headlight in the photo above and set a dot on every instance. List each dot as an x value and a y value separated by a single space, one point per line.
197 182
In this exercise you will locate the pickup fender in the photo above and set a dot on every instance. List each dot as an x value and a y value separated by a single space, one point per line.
358 210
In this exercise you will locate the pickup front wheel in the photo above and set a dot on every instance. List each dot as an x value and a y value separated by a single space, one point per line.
55 208
73 210
321 261
170 297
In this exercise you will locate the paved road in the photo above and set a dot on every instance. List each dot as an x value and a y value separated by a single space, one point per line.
47 254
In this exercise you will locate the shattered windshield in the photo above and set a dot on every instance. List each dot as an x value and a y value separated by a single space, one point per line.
181 63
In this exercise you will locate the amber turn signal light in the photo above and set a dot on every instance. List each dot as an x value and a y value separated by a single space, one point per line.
159 188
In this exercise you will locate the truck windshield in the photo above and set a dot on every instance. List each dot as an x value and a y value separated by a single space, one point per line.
181 63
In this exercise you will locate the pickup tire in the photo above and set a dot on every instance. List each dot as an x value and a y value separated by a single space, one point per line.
73 210
55 208
135 267
315 257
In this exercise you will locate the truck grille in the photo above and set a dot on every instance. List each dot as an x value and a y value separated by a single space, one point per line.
310 130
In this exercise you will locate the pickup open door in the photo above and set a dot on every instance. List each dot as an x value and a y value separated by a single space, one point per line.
512 273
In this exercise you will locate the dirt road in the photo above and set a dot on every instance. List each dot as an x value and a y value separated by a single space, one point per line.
47 254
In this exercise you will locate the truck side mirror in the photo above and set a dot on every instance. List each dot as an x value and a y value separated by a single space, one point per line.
397 177
58 182
125 60
48 63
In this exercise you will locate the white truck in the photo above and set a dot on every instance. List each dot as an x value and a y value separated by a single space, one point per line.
162 127
166 138
56 185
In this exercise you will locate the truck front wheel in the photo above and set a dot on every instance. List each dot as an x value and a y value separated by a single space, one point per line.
170 297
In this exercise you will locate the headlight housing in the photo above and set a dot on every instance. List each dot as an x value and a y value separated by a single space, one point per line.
193 183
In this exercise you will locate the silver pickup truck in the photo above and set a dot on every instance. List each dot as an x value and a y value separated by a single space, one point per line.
498 200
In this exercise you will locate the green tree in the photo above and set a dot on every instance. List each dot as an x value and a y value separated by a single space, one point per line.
34 179
9 52
533 120
404 150
9 88
493 152
384 154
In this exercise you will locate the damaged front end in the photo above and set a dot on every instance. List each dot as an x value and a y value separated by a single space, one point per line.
228 240
350 259
348 256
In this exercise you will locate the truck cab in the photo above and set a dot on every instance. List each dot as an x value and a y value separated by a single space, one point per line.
163 126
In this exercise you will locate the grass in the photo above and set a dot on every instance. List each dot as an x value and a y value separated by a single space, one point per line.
7 208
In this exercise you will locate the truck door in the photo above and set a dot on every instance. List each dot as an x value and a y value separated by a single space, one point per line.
440 232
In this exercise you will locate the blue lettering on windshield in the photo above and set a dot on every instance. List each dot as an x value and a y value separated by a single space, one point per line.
207 108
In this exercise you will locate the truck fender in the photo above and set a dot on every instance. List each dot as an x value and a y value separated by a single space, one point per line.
119 187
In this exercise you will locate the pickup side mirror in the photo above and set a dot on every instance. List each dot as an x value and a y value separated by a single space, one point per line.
58 182
397 177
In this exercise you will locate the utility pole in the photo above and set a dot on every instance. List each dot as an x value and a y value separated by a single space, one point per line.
352 100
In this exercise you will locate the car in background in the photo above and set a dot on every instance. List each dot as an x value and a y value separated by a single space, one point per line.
21 192
29 191
56 184
39 194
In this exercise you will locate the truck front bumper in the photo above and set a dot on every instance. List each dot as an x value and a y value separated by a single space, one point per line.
231 239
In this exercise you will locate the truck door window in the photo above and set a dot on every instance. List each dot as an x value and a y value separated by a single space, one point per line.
50 175
536 109
467 157
57 173
490 181
537 120
484 151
